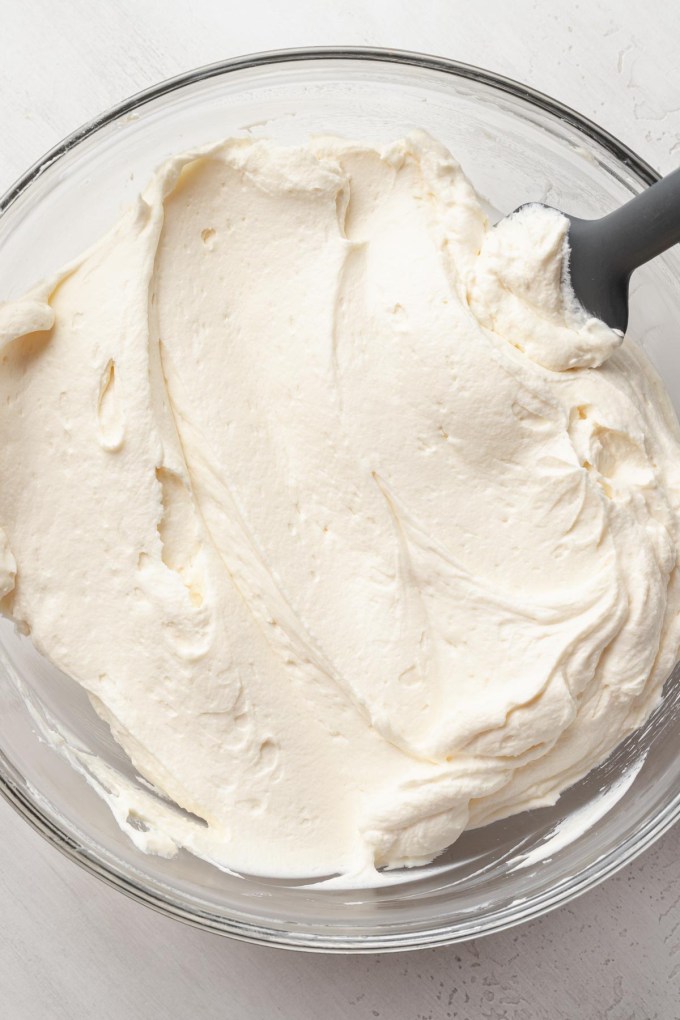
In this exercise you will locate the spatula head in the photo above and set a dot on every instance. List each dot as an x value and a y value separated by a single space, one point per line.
599 289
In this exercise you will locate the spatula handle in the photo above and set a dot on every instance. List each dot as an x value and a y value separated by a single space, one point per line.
644 227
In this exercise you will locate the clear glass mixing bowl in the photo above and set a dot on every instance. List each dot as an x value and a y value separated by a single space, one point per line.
516 146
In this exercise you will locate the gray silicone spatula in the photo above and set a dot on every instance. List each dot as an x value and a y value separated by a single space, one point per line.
605 252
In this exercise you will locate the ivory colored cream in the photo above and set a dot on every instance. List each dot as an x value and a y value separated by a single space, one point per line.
357 531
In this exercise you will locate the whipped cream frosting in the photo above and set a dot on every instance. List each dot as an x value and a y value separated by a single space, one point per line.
355 528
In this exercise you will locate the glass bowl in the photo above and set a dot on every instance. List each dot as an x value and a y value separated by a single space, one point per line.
516 146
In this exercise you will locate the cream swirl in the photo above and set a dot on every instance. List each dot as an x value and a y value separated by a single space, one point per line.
312 480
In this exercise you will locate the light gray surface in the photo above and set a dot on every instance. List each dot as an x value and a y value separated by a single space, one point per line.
70 947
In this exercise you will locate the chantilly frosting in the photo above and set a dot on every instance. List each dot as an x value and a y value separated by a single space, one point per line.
357 531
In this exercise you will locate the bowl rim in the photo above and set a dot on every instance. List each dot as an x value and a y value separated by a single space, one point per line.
502 918
411 58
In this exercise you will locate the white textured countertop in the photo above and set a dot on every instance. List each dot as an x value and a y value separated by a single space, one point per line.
72 948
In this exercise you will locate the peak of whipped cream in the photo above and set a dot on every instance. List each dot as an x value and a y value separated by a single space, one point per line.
520 290
354 528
